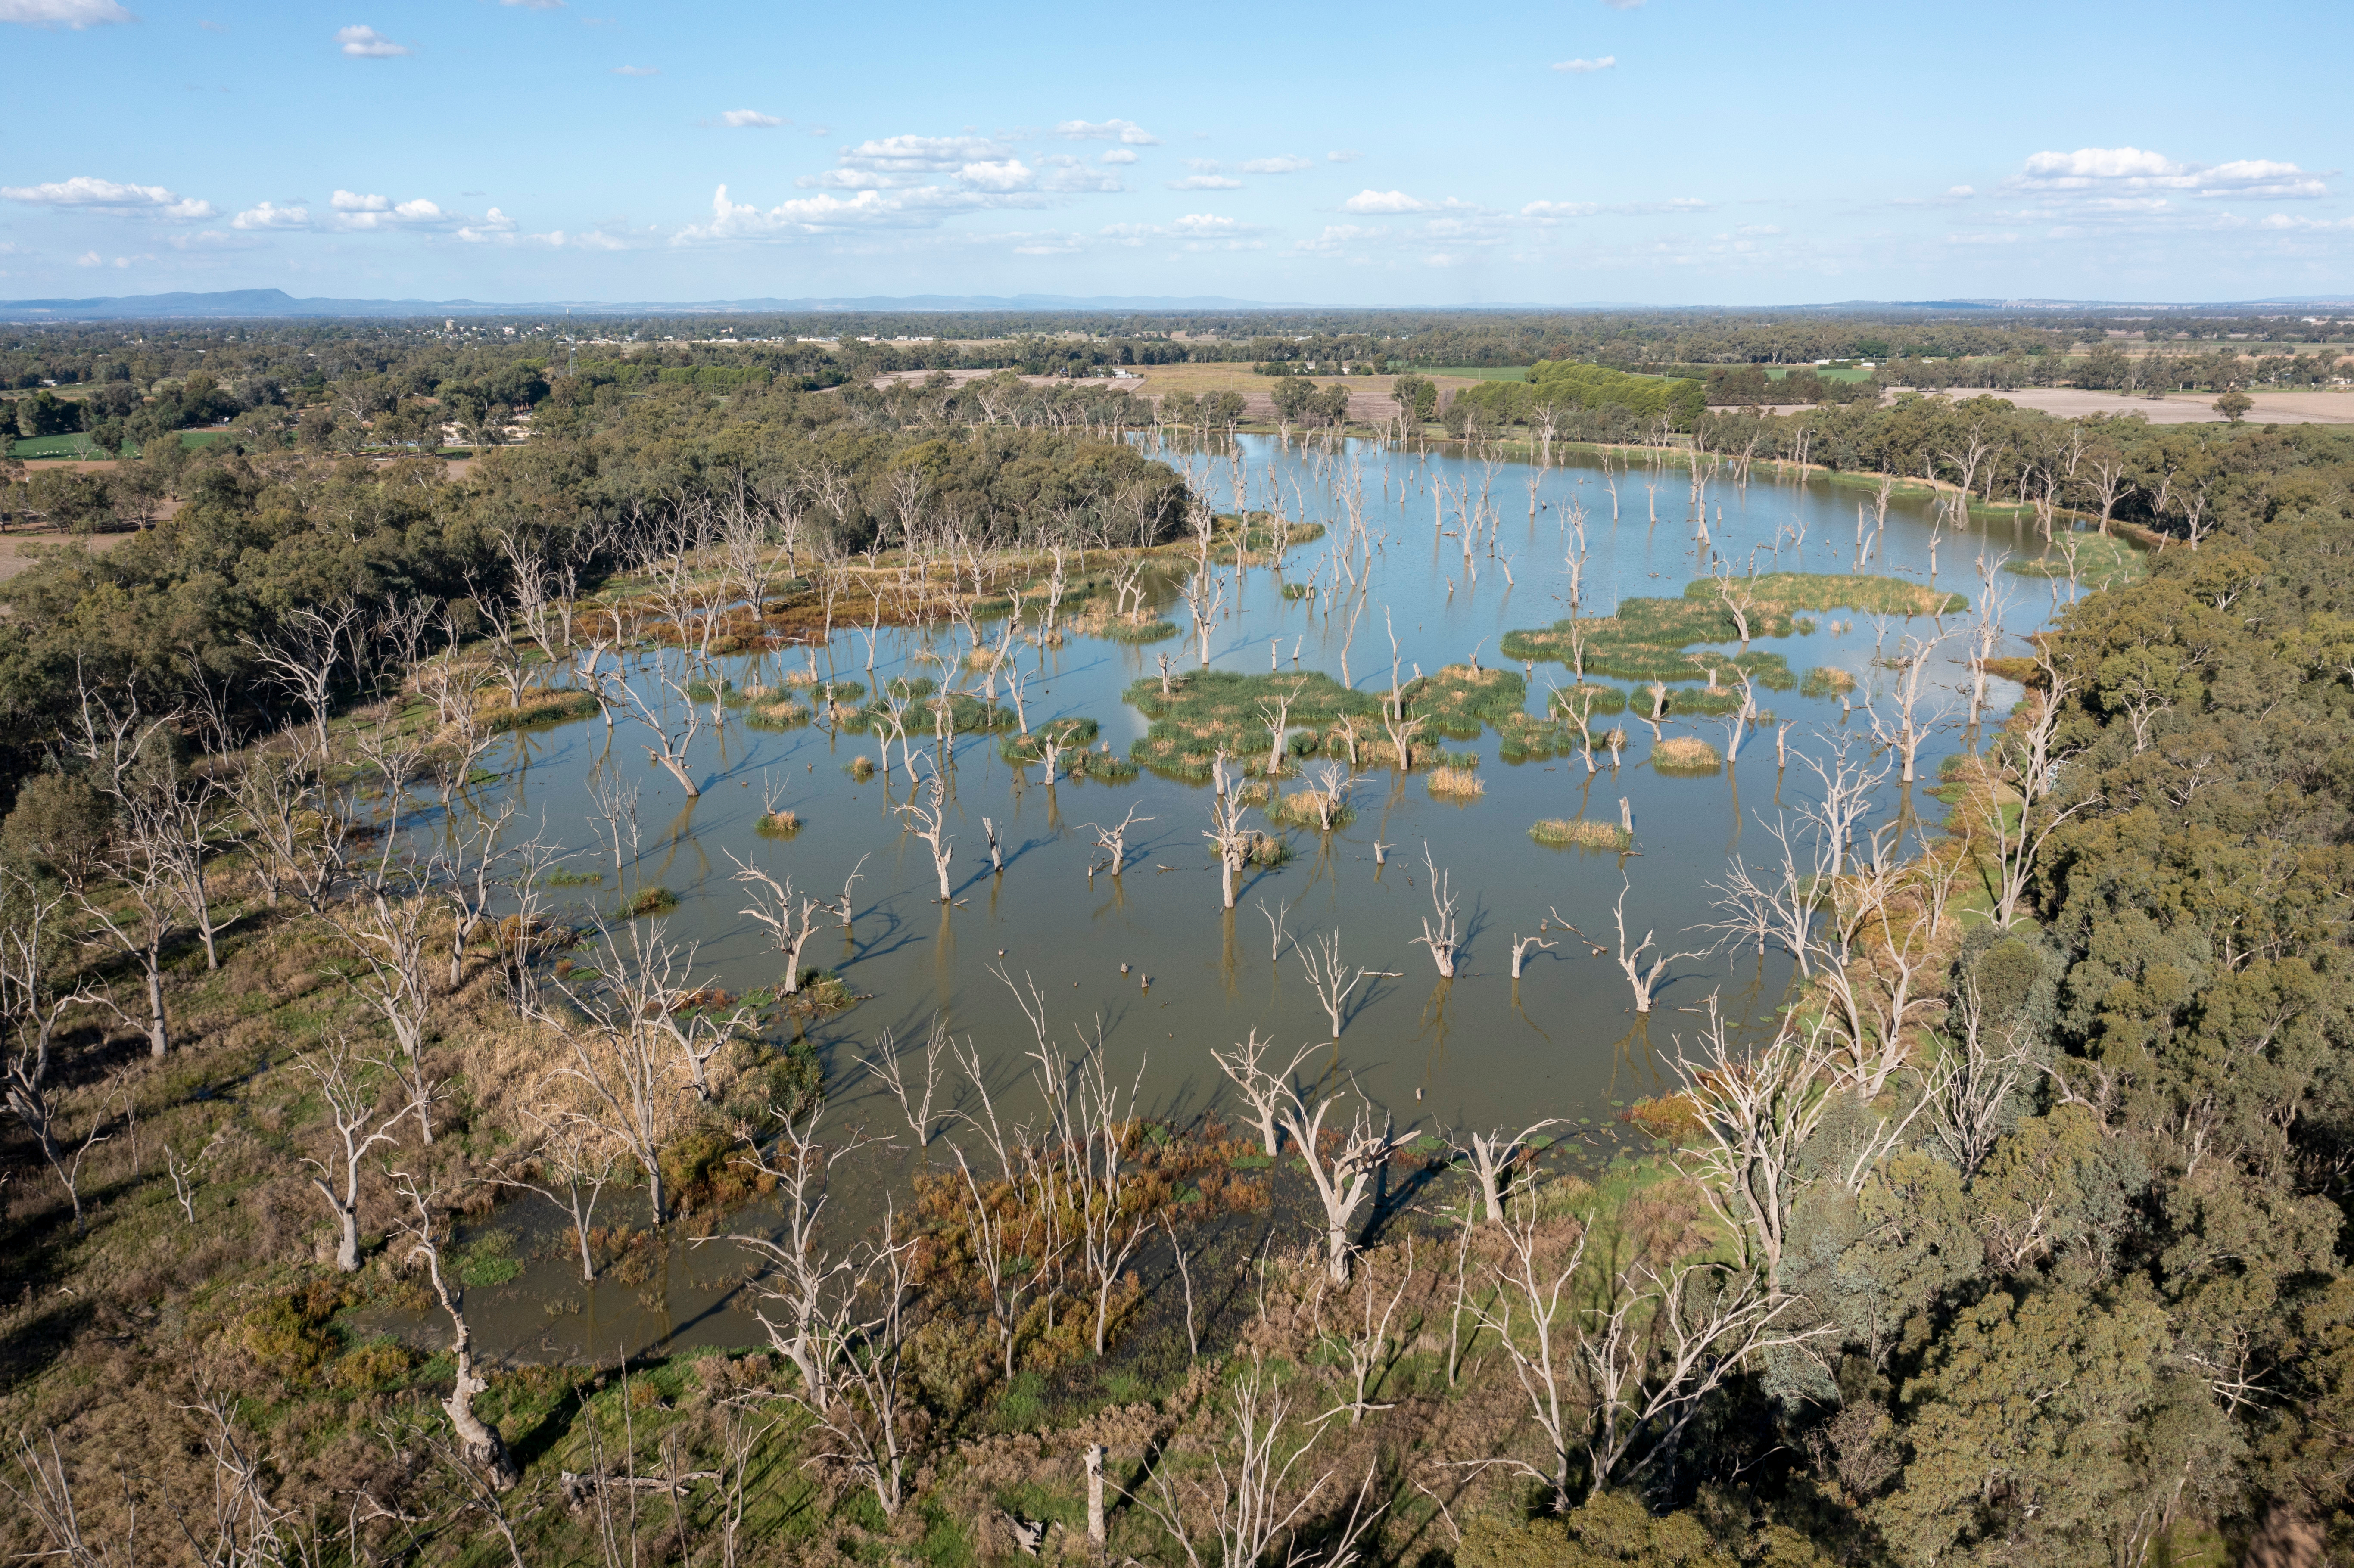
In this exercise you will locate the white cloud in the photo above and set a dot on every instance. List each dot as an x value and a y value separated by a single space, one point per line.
536 5
1960 193
1119 156
2111 172
1586 68
1075 179
357 214
2281 220
265 214
1288 164
637 70
1558 209
90 258
805 215
368 43
84 190
1205 183
74 13
1371 200
1009 174
1123 130
492 225
1350 156
750 120
1623 4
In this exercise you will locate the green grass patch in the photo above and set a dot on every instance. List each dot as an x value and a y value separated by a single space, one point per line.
1655 638
1565 834
2102 560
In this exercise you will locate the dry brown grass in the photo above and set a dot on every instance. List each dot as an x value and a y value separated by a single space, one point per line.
1582 834
1458 783
1686 754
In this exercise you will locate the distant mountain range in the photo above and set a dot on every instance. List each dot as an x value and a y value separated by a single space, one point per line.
266 304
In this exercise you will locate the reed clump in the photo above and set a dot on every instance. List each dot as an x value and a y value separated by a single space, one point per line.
1686 754
1458 783
1571 833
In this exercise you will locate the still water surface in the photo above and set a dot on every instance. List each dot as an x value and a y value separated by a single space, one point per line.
1481 1051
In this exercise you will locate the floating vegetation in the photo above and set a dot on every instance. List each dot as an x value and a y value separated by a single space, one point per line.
862 769
1598 701
774 713
1457 783
1651 639
1685 754
1824 680
1213 710
564 877
1578 834
652 901
778 824
1464 760
1300 590
1070 735
704 692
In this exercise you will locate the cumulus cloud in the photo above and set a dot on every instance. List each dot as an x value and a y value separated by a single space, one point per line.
1371 200
894 160
269 214
803 215
1205 183
2281 220
1124 131
1586 68
1119 156
492 226
1556 210
2109 173
751 119
637 70
368 43
1008 175
1288 164
1349 156
84 190
358 214
74 13
90 258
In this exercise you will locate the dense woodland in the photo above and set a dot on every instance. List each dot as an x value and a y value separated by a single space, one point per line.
2018 1240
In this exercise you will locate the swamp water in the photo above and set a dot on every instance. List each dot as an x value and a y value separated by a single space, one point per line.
1481 1051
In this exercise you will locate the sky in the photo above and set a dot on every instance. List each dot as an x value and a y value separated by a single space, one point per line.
1572 151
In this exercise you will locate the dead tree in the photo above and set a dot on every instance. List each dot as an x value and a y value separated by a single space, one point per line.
1113 842
351 1111
1440 932
815 1292
1366 1349
1234 1513
1903 730
385 931
1229 841
31 1010
479 1444
1754 1112
302 658
1884 946
2027 760
1262 1088
927 818
673 736
1341 1176
295 835
1493 1156
570 1164
1644 980
621 1060
789 918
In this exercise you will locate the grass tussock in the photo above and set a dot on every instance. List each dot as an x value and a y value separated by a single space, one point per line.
1457 783
1569 834
1825 680
778 824
538 708
1686 754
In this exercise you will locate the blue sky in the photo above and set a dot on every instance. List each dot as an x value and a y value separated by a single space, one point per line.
1648 151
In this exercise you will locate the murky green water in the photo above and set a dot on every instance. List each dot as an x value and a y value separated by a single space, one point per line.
1481 1050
